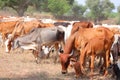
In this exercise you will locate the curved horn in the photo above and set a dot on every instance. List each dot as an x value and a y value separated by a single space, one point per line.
71 53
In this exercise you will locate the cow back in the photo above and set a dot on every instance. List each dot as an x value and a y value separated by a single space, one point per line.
85 34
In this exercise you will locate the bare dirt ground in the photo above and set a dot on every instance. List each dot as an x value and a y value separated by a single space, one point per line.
22 66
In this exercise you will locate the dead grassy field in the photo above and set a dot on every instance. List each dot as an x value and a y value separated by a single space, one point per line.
16 66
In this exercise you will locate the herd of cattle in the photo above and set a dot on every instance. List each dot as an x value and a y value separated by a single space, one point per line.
74 42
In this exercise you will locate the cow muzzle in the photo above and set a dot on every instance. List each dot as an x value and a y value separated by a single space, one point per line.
64 71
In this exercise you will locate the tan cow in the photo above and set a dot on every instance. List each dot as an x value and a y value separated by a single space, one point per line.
24 28
7 27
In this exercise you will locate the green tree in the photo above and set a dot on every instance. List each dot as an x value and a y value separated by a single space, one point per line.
118 10
20 6
78 10
70 2
58 7
41 5
99 9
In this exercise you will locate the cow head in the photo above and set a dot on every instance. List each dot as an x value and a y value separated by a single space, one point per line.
65 61
72 62
76 65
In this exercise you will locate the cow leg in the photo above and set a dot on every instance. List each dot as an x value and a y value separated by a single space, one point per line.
8 45
100 61
92 65
107 62
3 40
56 55
2 43
35 53
82 60
102 66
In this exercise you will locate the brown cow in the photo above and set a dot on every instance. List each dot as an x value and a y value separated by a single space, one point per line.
76 65
96 46
78 41
87 35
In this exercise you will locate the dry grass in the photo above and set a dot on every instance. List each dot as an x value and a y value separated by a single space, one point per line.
16 66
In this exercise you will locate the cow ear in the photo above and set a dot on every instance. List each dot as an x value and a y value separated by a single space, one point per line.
60 52
60 49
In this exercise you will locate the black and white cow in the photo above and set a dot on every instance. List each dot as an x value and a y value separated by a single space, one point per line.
115 50
116 69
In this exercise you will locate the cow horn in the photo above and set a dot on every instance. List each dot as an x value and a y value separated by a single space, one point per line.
71 53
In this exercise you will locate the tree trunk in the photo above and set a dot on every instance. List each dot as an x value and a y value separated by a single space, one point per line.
20 12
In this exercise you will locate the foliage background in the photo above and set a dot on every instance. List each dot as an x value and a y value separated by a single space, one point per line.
93 10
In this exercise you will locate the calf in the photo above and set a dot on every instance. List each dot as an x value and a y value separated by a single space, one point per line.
76 65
